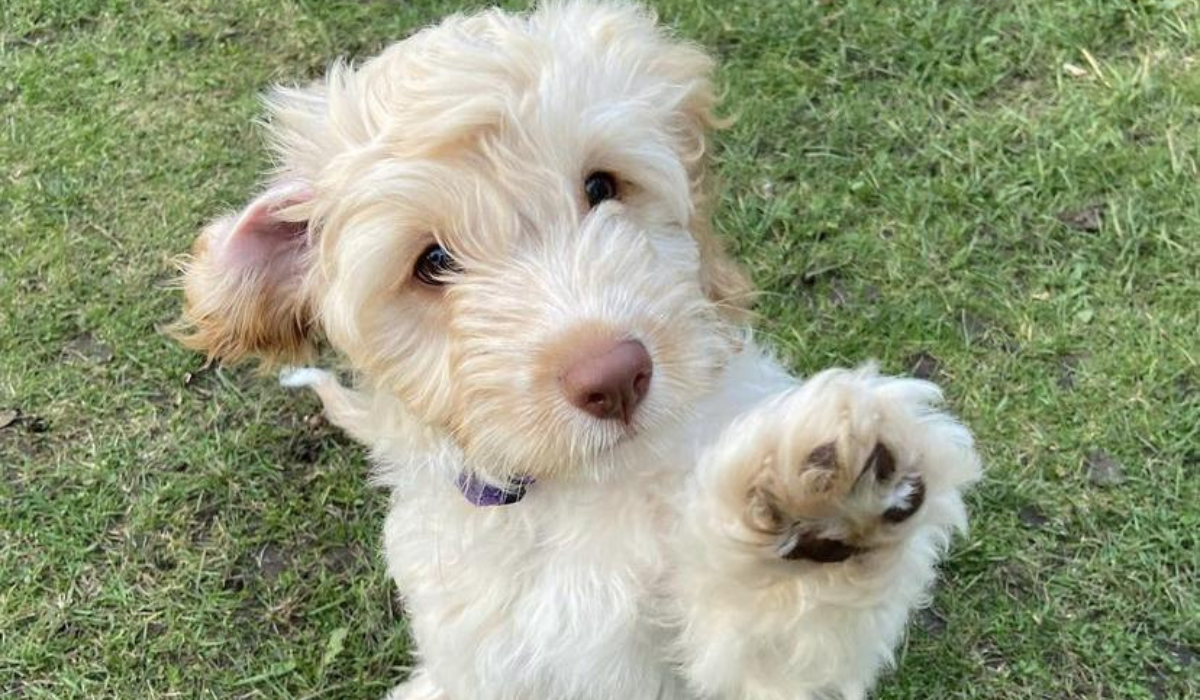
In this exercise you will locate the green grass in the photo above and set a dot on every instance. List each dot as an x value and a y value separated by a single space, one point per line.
927 183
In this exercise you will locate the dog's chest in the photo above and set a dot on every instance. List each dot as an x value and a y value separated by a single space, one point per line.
549 596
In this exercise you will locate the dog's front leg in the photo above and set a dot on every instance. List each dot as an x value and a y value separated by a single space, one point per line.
812 530
364 419
376 420
418 687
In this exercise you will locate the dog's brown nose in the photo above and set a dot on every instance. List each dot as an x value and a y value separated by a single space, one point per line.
612 383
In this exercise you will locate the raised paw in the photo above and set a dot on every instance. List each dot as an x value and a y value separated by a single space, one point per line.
845 465
832 516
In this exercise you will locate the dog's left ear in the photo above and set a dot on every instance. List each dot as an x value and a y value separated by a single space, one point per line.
724 281
722 278
245 284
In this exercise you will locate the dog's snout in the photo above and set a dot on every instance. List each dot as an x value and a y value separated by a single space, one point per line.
611 383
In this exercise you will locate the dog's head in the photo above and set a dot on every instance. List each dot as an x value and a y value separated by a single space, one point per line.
500 220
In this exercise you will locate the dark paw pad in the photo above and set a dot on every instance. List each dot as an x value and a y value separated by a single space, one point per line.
818 549
916 498
881 462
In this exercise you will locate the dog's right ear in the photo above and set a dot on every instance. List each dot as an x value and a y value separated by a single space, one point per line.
245 284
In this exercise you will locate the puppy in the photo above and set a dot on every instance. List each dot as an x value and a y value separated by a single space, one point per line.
602 487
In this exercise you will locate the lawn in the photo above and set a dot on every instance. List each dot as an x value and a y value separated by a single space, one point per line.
1003 196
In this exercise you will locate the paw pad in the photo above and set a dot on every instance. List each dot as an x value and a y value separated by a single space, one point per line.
819 538
817 549
913 500
881 462
824 457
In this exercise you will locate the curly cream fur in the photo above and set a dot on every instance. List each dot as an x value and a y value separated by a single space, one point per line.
648 560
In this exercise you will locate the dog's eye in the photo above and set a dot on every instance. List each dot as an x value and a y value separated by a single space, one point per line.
434 266
600 186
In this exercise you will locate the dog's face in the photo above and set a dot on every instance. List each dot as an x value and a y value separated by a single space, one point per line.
500 221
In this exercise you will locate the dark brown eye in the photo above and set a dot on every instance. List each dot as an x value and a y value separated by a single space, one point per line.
434 266
600 186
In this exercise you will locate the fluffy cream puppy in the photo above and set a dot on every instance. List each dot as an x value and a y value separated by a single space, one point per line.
602 488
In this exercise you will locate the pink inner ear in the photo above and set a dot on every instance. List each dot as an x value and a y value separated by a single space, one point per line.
258 236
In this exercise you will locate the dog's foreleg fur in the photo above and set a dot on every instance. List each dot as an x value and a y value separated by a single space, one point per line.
757 627
345 408
417 687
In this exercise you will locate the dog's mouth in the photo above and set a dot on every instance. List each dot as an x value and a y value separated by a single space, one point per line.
602 438
624 435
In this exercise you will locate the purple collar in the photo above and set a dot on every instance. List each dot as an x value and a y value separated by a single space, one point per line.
481 493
